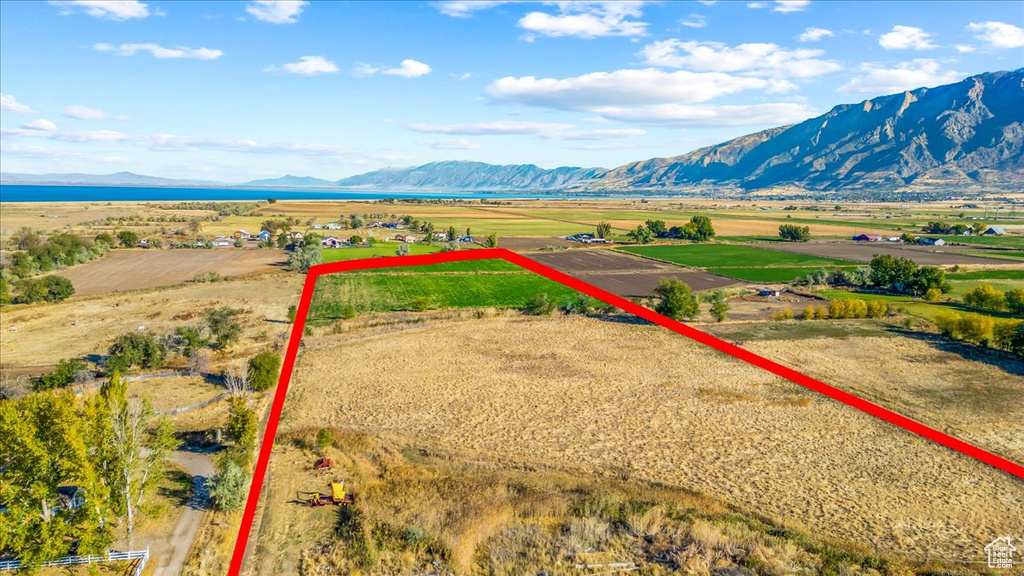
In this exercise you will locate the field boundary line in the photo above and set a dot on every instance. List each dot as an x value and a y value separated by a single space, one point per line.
302 310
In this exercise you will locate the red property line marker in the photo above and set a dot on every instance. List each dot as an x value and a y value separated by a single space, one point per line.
500 253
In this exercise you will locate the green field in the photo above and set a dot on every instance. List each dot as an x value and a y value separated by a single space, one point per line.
472 284
962 287
987 275
733 256
773 275
1001 241
378 249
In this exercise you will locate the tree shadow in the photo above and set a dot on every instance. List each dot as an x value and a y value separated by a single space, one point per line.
179 489
1000 359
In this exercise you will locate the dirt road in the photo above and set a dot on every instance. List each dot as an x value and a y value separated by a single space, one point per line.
169 556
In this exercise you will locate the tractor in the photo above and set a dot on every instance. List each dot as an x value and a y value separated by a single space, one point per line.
338 496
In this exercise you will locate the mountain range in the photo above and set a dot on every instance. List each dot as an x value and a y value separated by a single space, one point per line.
965 136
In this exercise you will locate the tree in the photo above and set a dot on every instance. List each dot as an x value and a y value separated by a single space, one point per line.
719 306
223 326
889 273
927 278
1009 336
241 427
985 296
227 487
539 305
134 349
492 240
355 239
640 235
302 259
402 250
794 233
271 200
46 289
65 373
194 226
324 438
128 238
932 294
263 370
25 239
5 293
699 228
1015 301
604 230
451 234
677 299
656 227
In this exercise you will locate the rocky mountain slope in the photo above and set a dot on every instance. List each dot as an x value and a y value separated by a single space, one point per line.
970 133
460 175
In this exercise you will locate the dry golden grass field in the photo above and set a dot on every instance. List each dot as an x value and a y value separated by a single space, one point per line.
599 397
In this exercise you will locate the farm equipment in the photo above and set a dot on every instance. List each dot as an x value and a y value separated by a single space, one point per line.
322 464
338 496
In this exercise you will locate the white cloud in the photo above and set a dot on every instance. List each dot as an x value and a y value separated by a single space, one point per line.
119 10
8 103
815 34
276 11
906 37
307 66
651 96
877 78
40 152
998 34
695 21
783 6
464 8
965 48
86 113
761 59
588 20
451 144
41 124
158 51
461 77
707 2
76 136
407 69
546 130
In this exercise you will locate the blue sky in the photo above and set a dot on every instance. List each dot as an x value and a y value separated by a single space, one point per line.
234 91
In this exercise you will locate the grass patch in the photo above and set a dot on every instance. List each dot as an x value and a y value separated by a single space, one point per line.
377 250
1018 255
986 275
732 256
1001 241
773 275
799 330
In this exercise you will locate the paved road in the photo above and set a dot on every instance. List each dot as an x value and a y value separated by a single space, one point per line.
169 556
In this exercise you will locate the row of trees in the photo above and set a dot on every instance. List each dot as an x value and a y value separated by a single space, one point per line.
698 229
904 276
35 256
794 233
109 447
984 330
939 227
986 296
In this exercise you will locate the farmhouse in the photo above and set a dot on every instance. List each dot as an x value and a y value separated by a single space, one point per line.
222 241
931 241
318 226
330 242
868 237
296 235
994 231
264 235
440 235
333 226
240 234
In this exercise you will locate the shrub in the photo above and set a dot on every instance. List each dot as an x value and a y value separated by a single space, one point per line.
932 294
62 376
221 322
241 427
539 305
820 312
302 259
985 296
784 314
808 313
794 233
263 370
227 487
677 299
1009 336
420 304
324 438
719 306
134 349
1015 301
877 309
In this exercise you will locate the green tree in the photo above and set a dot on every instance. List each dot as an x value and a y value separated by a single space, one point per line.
25 238
271 200
1009 336
719 306
228 485
324 438
355 239
195 226
223 326
699 228
302 259
985 296
134 349
451 234
677 299
794 233
128 238
5 293
492 240
264 369
927 278
402 250
62 376
656 227
889 273
640 235
241 427
604 230
1015 301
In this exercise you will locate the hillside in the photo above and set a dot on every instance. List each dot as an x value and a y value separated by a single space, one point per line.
967 134
289 181
461 175
117 179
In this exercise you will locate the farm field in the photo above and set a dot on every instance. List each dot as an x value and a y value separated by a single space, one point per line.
732 256
378 249
864 251
642 403
127 270
642 284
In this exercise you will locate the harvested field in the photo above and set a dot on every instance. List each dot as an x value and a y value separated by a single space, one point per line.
642 284
597 260
754 307
864 251
124 270
599 397
524 243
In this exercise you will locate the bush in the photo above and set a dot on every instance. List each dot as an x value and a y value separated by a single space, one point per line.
932 294
1015 301
821 312
228 485
241 428
264 369
134 349
225 330
970 327
985 296
677 299
64 375
46 289
784 314
420 304
1009 336
794 233
302 259
877 309
539 305
324 438
719 306
808 313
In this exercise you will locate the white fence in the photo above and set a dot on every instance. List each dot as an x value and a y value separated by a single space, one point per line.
142 556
